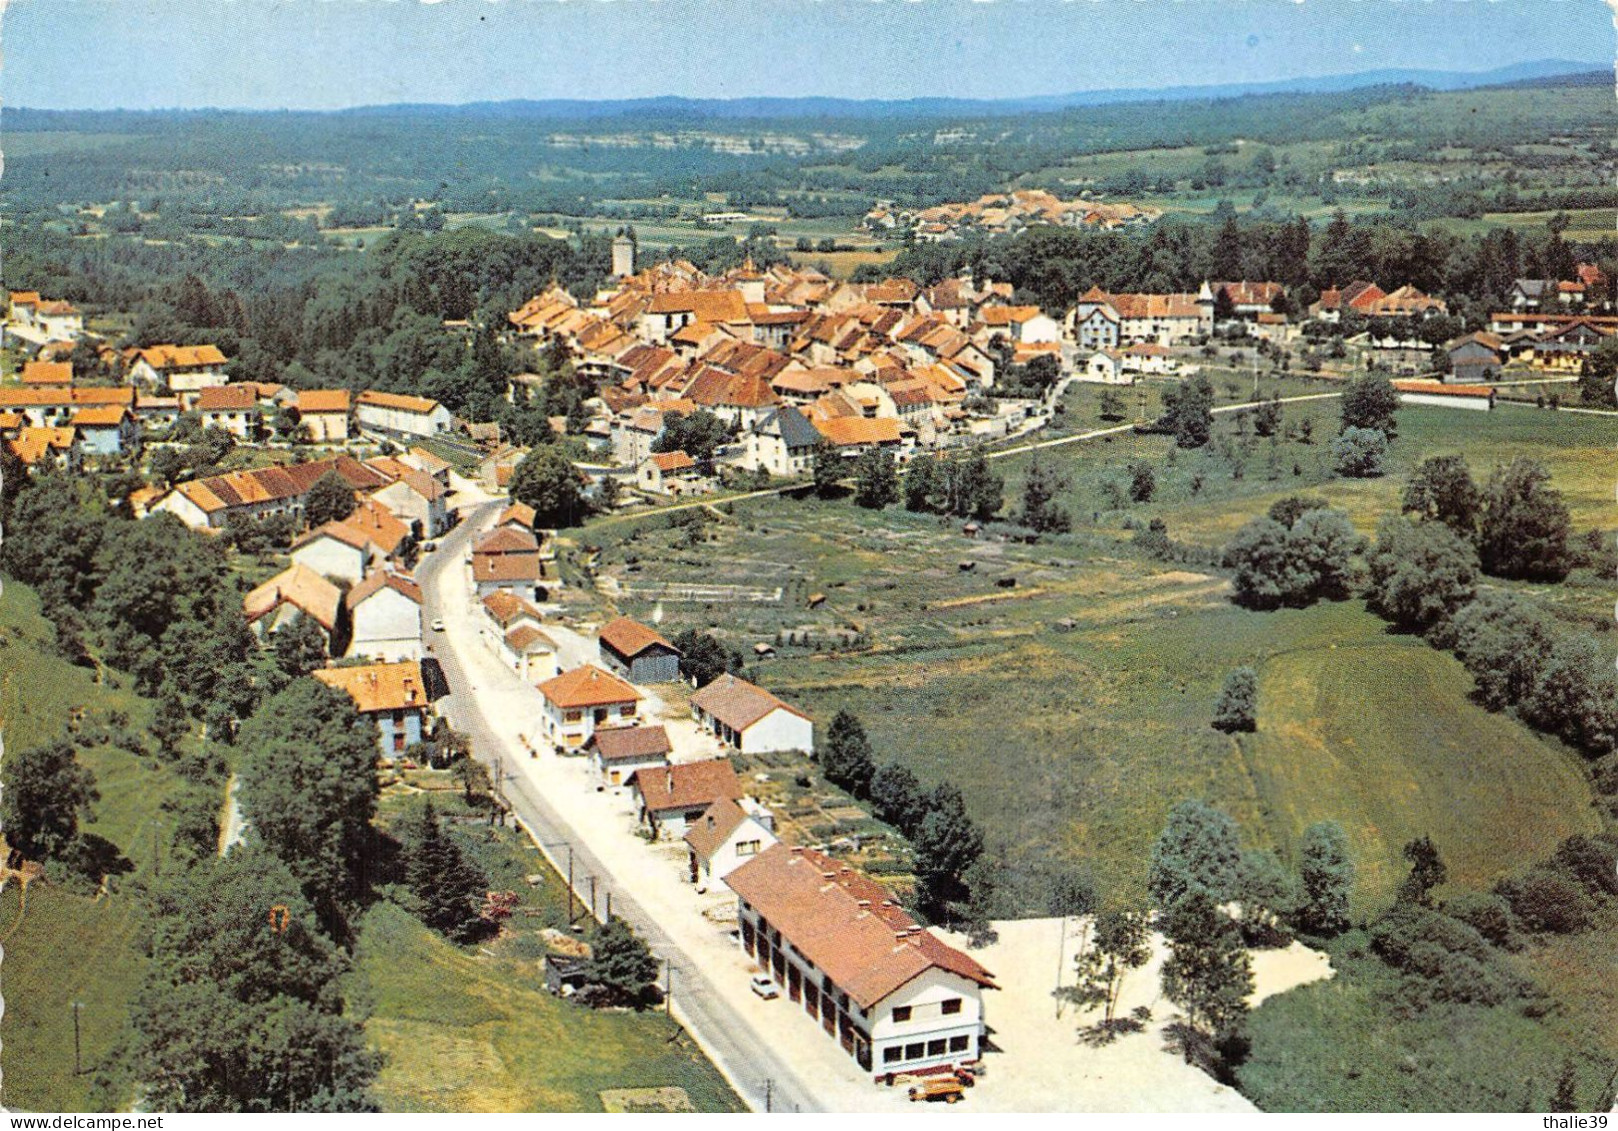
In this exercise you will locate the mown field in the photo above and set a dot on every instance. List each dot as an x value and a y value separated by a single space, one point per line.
68 945
473 1028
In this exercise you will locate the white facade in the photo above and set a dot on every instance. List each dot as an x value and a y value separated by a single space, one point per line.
781 729
334 558
403 421
185 510
745 841
929 1036
884 1038
1449 400
571 727
1104 369
387 627
408 505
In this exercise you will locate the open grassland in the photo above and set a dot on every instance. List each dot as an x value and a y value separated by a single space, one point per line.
473 1028
66 944
1333 1046
1203 499
1066 687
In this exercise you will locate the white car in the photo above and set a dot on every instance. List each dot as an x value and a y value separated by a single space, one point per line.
764 986
438 625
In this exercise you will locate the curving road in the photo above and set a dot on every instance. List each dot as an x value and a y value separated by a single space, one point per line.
491 715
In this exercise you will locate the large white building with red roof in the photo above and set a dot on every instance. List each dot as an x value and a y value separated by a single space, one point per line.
896 997
747 718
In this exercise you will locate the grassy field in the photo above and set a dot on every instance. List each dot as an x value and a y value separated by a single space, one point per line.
1202 500
1071 741
473 1029
1333 1046
65 946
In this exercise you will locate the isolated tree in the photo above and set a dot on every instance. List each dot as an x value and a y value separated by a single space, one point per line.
309 791
1266 573
1525 526
330 499
826 469
1598 376
1575 696
1566 1099
1325 877
845 756
1268 895
547 481
621 964
1236 709
1040 511
1371 402
1119 943
1442 490
448 888
1142 483
1358 453
1208 973
1188 411
47 792
876 479
947 843
1420 574
704 658
1321 547
1197 851
1267 417
973 490
1112 405
923 484
1427 871
476 783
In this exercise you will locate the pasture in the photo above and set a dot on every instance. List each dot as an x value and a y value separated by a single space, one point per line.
66 944
474 1029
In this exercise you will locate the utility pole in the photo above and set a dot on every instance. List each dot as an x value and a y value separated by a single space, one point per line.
570 885
609 908
592 897
668 986
769 1096
76 1066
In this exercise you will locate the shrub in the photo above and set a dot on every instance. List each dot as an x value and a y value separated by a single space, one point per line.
1487 914
1547 902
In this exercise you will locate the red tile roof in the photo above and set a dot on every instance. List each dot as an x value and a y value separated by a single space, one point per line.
667 788
737 703
844 922
587 686
630 638
630 744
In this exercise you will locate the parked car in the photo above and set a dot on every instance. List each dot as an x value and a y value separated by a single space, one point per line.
438 624
946 1088
764 986
428 547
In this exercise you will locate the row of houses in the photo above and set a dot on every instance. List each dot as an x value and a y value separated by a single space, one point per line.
895 997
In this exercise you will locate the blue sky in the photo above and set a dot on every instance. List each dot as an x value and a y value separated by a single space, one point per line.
325 54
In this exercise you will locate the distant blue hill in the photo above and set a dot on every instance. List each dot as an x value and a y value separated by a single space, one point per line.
669 106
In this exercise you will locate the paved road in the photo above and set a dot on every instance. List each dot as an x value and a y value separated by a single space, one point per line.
747 1062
